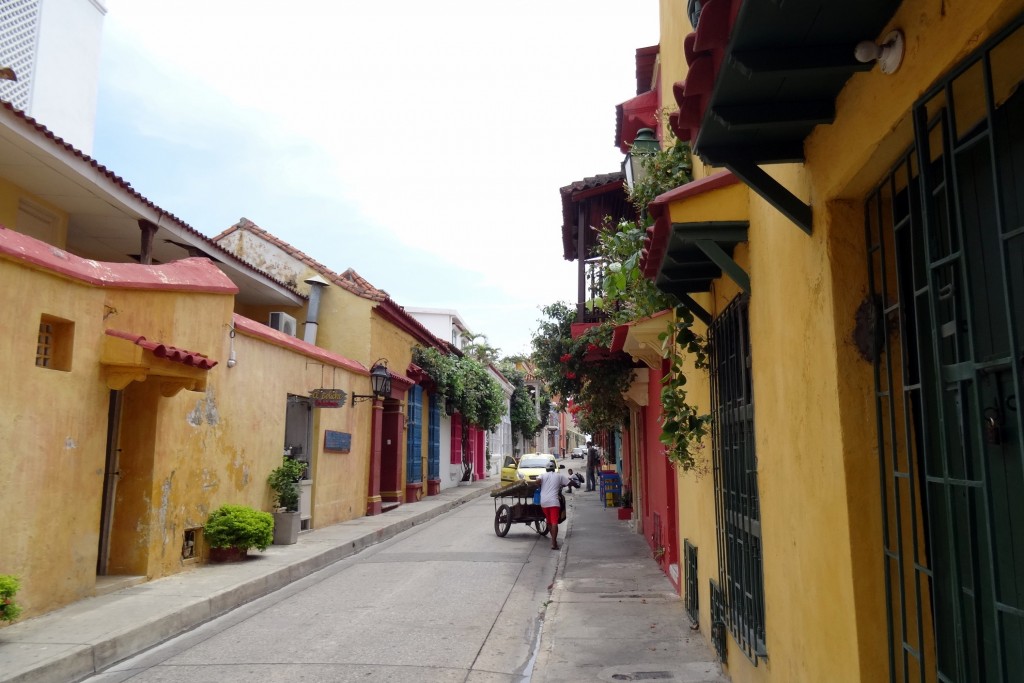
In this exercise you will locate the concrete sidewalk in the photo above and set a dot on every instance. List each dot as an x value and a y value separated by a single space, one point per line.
613 615
87 636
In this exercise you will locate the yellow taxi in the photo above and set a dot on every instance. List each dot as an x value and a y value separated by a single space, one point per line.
527 468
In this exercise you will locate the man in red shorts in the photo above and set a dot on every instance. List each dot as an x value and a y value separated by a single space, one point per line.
551 482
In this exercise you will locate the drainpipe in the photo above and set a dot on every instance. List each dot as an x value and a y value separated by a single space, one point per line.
316 287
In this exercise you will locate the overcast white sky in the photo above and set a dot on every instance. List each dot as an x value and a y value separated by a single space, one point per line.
422 144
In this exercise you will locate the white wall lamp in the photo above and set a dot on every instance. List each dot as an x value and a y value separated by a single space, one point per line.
232 361
889 53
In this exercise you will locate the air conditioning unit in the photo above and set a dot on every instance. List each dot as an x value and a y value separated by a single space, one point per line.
282 322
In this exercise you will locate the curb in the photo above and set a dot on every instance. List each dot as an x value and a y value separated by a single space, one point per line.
78 662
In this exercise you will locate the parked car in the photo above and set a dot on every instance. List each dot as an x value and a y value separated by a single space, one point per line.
579 452
528 467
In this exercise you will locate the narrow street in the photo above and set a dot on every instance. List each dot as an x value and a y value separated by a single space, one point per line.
443 601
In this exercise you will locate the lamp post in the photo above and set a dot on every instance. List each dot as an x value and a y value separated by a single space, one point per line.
645 145
380 383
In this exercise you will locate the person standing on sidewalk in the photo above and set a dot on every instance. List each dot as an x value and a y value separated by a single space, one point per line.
551 482
593 462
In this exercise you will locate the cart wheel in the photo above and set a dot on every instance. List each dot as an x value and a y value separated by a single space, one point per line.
502 520
541 527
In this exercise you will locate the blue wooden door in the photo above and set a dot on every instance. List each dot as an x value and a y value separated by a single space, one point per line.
414 437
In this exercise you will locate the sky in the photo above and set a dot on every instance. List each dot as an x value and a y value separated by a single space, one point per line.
421 144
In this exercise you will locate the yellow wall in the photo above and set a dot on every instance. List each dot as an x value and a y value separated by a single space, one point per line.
817 457
181 456
53 435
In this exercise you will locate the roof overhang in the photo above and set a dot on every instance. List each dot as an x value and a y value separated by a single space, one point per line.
589 201
106 214
696 229
762 75
634 114
127 357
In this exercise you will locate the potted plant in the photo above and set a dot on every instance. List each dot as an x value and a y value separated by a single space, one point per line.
284 482
9 586
232 529
626 504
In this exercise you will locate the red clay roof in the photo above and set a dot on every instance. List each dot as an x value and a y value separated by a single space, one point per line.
704 50
198 274
255 329
640 111
609 187
349 280
172 353
659 232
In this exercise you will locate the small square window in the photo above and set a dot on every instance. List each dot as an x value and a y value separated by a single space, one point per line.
55 343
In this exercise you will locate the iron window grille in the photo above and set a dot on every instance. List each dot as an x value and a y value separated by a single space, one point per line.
718 625
690 581
945 247
734 462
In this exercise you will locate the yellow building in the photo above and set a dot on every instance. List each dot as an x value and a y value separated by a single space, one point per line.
854 240
152 378
360 321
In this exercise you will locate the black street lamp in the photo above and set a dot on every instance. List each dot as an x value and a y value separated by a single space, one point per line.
645 145
380 383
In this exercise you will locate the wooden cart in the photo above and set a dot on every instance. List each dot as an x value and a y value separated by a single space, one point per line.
513 504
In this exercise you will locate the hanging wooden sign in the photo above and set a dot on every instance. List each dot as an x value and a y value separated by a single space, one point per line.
328 398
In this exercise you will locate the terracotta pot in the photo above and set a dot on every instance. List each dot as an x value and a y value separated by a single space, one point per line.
626 513
228 554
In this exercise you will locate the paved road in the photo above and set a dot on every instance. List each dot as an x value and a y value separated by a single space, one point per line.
444 601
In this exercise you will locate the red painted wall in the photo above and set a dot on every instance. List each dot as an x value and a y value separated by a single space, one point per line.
659 509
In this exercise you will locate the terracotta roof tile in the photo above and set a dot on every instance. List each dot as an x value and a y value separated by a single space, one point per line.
349 280
167 352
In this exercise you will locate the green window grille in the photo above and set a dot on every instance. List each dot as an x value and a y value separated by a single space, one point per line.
734 462
718 625
690 581
945 239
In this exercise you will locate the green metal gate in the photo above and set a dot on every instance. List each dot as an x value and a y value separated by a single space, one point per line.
946 258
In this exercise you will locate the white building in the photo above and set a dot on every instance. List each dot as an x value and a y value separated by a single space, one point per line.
443 323
53 48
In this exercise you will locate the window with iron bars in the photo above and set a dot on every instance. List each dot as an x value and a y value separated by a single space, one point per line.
737 504
690 581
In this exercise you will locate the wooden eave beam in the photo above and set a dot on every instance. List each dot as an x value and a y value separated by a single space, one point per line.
775 115
822 59
773 192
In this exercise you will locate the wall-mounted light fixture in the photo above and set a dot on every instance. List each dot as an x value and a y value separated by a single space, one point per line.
232 360
380 383
888 54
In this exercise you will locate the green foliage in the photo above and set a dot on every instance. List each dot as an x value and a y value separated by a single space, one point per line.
284 482
522 414
238 526
683 428
594 385
477 348
571 366
466 383
9 586
628 295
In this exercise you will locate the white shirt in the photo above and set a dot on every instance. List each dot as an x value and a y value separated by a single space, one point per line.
550 484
